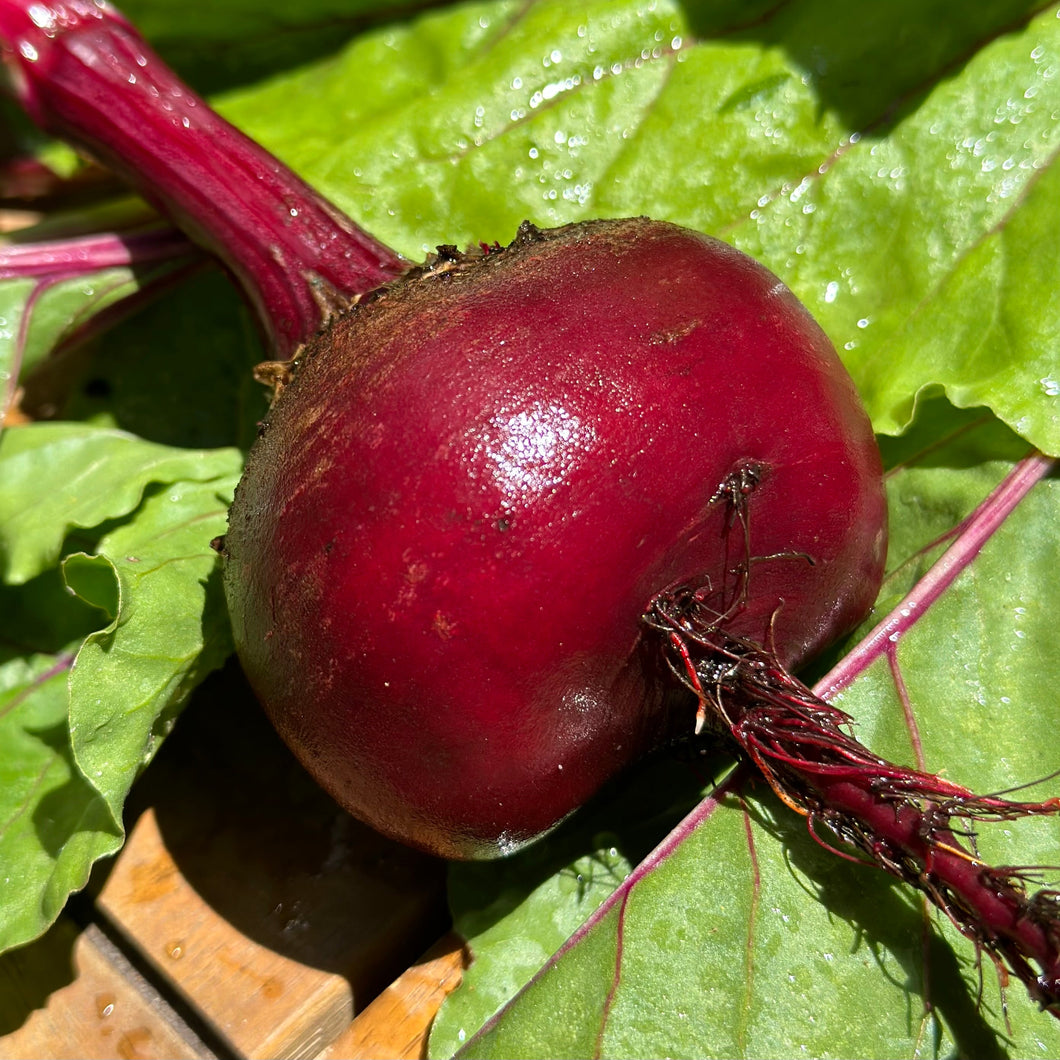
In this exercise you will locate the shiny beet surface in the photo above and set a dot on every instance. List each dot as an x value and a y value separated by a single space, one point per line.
439 556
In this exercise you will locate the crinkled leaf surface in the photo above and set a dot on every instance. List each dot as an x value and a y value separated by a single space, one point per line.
58 476
97 655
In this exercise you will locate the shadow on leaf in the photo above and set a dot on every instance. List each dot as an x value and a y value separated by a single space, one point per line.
623 823
868 64
886 918
72 808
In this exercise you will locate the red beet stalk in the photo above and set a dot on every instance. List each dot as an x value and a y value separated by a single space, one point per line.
85 75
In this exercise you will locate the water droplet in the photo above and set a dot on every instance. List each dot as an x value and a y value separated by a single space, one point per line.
175 949
41 16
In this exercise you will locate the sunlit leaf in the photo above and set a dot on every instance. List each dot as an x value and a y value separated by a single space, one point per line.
97 657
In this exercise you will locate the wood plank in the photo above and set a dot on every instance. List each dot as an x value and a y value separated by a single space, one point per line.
396 1024
106 1010
268 910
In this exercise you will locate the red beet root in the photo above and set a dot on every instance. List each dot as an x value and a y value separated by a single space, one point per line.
440 553
504 500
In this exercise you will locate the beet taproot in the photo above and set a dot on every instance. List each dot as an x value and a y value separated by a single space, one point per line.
445 539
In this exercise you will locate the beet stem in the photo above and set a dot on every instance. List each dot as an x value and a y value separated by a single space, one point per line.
84 74
970 536
77 255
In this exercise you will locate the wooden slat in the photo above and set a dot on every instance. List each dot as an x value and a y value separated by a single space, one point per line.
262 1003
105 1011
396 1024
264 907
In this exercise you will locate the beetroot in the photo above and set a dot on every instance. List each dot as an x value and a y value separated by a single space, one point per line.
445 539
523 514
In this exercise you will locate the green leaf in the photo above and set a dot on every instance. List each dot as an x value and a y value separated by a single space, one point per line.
729 949
96 658
40 316
518 932
518 911
214 43
180 373
58 476
169 630
53 823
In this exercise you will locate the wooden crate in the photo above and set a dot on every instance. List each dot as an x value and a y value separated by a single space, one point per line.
246 916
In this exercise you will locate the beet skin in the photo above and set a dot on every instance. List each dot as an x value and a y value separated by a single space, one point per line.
458 511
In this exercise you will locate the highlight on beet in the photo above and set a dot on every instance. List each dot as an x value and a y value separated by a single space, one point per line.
520 515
